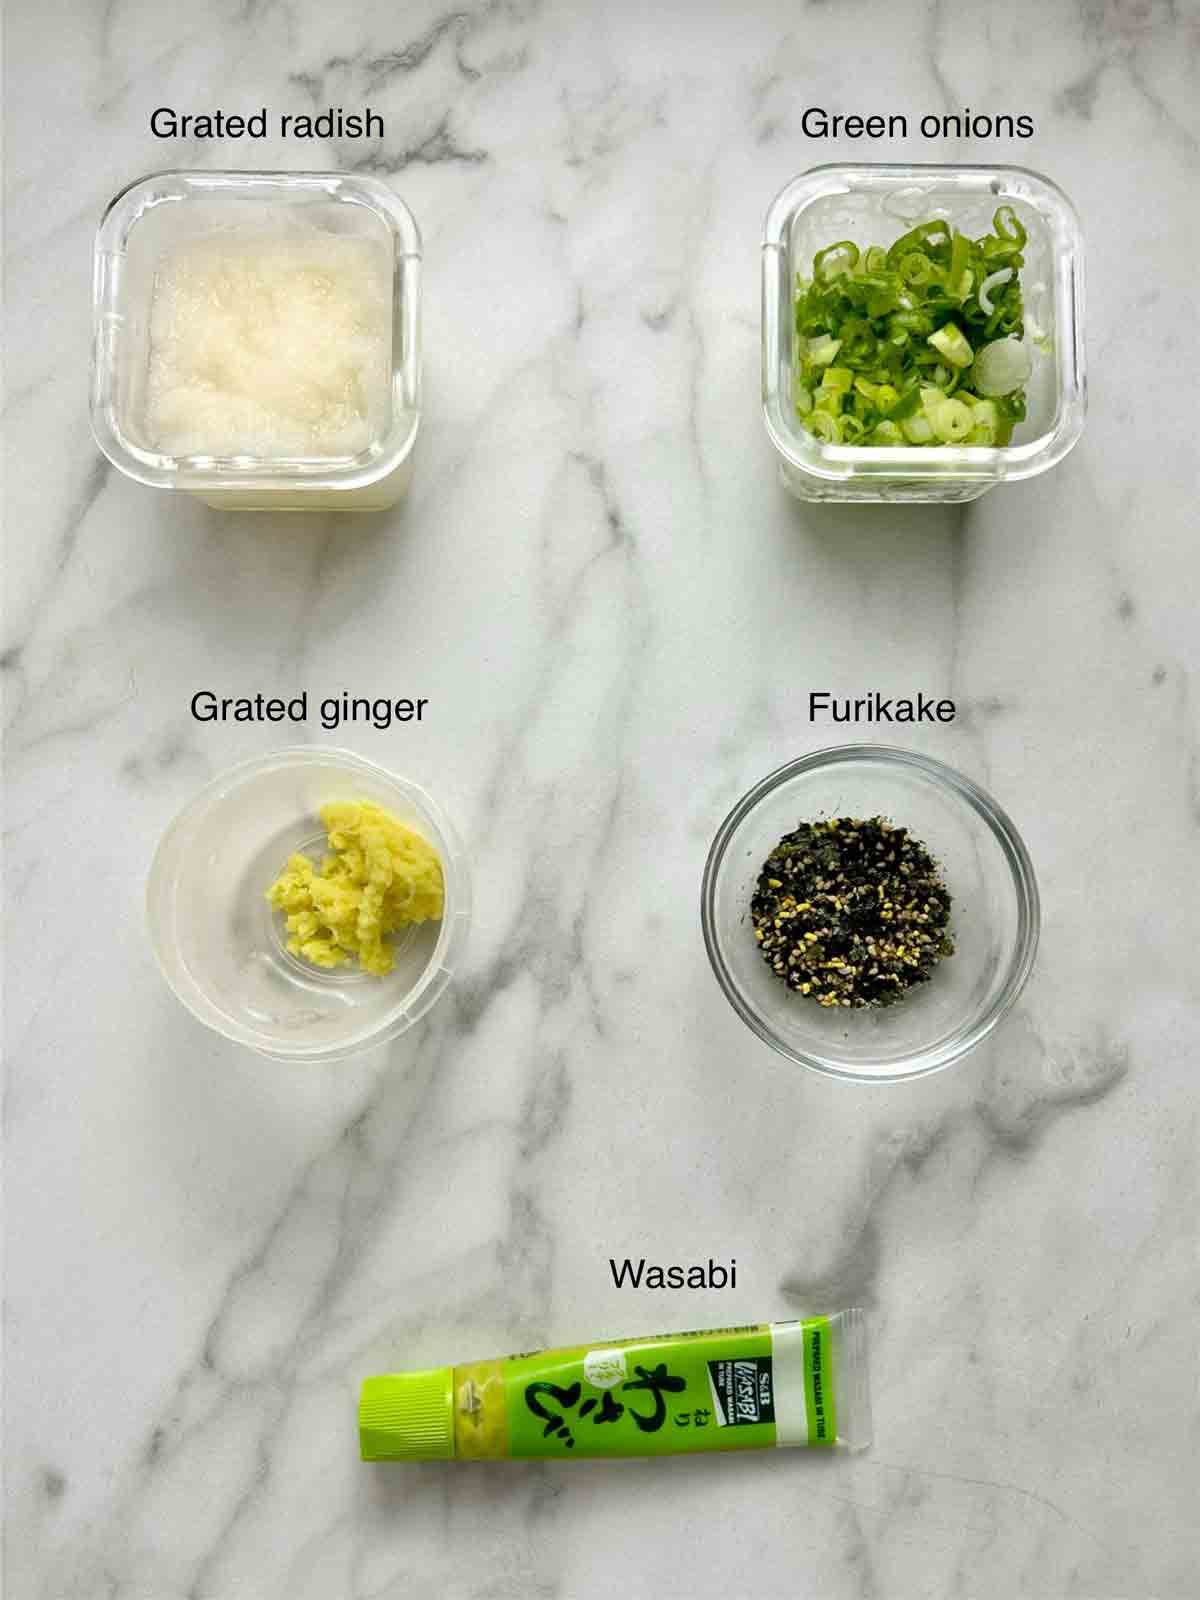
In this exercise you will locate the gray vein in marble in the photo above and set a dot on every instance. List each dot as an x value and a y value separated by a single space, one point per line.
761 89
1033 1496
957 521
1013 1113
695 333
439 146
60 233
1122 48
856 1553
65 545
1017 1117
1184 136
848 1278
604 122
162 755
259 1483
297 641
382 69
279 1381
525 1254
71 727
554 963
545 1107
660 318
1078 99
977 712
556 960
158 66
378 71
934 46
619 541
1190 739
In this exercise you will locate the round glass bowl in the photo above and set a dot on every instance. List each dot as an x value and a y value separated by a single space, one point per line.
994 916
223 948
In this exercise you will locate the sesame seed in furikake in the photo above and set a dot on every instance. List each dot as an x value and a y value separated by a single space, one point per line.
851 912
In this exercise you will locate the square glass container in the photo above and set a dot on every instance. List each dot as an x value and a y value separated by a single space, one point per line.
875 204
164 212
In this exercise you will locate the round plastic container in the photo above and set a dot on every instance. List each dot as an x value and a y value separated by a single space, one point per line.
994 917
223 948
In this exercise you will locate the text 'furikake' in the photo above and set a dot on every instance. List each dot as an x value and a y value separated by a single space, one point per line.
918 344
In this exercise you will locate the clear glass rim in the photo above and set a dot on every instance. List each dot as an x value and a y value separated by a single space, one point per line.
409 1009
246 474
939 463
1016 857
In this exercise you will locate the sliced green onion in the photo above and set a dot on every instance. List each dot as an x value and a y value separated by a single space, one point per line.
821 351
916 268
953 344
885 297
907 406
1009 226
910 322
1002 367
931 237
917 430
952 421
858 339
959 278
1012 406
838 258
992 281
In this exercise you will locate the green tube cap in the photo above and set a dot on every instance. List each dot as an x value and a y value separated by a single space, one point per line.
408 1416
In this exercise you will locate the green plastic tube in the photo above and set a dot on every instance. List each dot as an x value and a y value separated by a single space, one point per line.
750 1388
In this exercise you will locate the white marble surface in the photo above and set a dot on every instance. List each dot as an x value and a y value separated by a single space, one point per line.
616 614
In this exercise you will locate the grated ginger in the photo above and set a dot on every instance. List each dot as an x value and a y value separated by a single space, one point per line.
379 877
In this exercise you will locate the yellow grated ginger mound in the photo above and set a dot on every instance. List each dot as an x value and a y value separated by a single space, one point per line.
380 876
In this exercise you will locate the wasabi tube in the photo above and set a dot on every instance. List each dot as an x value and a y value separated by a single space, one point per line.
750 1388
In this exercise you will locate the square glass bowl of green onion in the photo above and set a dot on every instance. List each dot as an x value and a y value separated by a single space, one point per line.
922 333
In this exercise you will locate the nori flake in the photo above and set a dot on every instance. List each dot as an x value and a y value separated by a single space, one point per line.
851 912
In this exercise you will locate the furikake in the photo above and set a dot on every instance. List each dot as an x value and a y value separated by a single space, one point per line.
851 912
